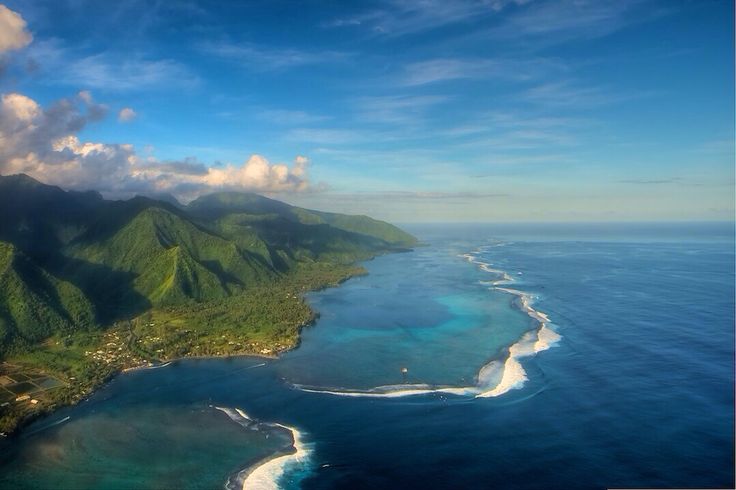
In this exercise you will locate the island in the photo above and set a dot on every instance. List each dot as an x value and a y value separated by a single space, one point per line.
90 287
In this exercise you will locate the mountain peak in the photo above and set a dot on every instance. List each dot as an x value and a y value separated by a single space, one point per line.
21 179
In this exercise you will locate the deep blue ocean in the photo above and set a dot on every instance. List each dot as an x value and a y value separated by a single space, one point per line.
630 382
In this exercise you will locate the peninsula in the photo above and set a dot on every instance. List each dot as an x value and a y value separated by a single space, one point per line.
90 287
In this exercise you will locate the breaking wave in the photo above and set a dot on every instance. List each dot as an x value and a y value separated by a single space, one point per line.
495 378
266 474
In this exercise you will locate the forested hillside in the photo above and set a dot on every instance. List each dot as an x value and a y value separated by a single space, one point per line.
71 260
90 286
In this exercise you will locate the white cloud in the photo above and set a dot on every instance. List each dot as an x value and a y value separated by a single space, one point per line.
99 72
86 96
126 114
27 131
21 107
584 18
406 110
259 174
406 17
13 32
438 70
542 24
43 143
570 94
260 58
445 69
108 71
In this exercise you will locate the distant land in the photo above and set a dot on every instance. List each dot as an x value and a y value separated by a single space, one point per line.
89 286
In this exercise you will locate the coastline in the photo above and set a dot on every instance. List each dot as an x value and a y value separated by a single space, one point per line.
238 479
146 366
48 411
512 374
274 352
265 472
507 370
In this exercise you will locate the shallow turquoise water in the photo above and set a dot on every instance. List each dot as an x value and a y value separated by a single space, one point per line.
426 311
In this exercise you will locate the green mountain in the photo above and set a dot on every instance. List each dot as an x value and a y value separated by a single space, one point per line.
34 304
73 261
217 205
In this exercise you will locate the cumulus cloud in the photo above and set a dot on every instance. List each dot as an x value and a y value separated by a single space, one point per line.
28 132
190 178
126 114
13 32
258 173
43 143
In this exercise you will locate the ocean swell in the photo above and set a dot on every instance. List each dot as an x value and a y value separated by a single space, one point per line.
495 378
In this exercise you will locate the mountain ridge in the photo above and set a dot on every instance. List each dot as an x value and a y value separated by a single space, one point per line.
128 256
90 287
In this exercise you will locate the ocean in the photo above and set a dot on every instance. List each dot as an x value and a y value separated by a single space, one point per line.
534 356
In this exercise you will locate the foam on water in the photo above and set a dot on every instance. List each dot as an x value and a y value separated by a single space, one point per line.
392 391
494 378
146 366
543 338
546 338
266 474
52 424
156 366
236 415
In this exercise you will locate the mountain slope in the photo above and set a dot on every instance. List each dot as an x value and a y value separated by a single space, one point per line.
219 204
39 218
90 286
34 304
366 225
74 260
170 257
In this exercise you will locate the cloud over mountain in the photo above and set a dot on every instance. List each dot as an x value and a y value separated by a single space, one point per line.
43 143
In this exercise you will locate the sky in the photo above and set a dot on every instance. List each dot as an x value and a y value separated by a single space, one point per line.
409 111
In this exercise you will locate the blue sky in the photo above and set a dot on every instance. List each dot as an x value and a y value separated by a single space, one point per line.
423 110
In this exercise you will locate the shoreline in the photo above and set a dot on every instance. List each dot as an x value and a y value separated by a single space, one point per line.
512 376
147 366
265 472
47 411
23 424
237 480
